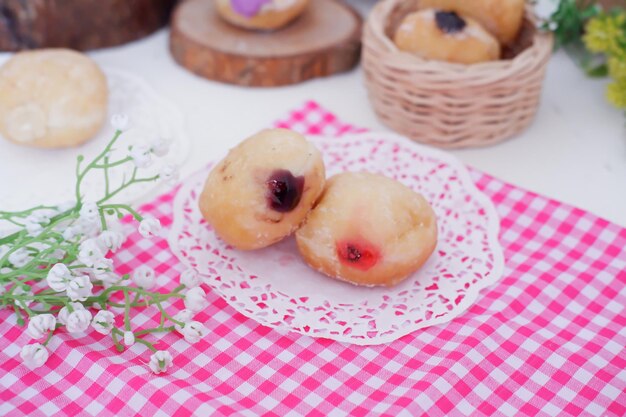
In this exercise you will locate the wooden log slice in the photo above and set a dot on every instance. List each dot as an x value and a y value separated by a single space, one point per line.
78 24
325 40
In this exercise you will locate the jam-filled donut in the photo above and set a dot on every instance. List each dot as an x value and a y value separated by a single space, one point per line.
51 98
368 229
264 188
446 36
260 14
503 18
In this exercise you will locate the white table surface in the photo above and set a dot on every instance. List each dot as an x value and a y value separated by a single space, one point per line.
574 152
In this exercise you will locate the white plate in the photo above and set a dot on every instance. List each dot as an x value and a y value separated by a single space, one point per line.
30 176
275 287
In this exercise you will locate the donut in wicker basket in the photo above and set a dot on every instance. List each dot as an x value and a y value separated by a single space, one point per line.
451 105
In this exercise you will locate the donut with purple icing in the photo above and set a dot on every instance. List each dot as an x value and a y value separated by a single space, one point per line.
260 14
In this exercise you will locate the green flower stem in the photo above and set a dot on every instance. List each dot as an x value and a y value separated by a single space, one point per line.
126 312
125 185
127 208
81 175
159 329
114 333
45 343
108 164
147 344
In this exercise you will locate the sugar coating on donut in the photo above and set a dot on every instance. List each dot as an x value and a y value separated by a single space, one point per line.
446 36
260 14
51 98
263 189
368 229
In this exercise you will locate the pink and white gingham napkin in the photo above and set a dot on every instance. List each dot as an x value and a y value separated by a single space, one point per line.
547 340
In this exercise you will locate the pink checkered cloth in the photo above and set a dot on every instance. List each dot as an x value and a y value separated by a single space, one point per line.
547 340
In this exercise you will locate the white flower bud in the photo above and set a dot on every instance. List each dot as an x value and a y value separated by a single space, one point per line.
193 331
160 361
120 122
70 232
103 322
169 173
190 278
141 156
40 325
89 212
59 277
66 206
149 227
160 147
33 228
184 316
19 258
79 288
111 240
64 312
19 291
78 321
144 277
34 355
129 338
195 299
90 252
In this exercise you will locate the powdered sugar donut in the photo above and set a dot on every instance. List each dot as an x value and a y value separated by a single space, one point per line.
446 36
368 229
51 98
264 188
260 14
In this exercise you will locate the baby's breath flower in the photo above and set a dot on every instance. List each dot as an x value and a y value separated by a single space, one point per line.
79 288
40 325
111 240
169 173
65 206
64 312
190 278
195 299
89 212
78 321
19 258
129 338
160 147
33 229
28 295
119 122
70 233
34 355
184 316
144 277
90 252
103 322
141 156
160 361
193 331
59 277
149 227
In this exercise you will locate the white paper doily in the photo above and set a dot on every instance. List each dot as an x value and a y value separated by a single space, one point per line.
275 287
31 176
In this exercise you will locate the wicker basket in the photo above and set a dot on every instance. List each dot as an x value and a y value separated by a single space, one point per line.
452 105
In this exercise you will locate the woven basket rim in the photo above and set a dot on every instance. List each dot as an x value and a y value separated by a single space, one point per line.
375 25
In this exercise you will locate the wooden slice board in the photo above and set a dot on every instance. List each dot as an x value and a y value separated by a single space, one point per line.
78 24
325 40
